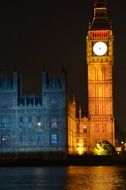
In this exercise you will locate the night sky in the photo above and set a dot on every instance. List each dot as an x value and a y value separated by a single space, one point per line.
51 34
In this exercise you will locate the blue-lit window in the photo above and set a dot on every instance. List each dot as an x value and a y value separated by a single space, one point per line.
21 119
30 140
29 122
54 139
30 119
20 125
21 122
29 125
4 140
38 141
20 140
5 101
38 118
53 100
5 121
38 122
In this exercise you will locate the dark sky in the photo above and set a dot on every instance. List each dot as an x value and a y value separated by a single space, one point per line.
50 33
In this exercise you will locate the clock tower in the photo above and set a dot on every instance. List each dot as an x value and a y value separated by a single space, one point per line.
99 54
84 132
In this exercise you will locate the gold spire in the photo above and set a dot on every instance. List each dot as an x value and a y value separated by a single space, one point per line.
100 20
100 9
80 112
73 101
100 3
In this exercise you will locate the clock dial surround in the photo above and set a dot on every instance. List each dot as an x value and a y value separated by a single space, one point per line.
100 48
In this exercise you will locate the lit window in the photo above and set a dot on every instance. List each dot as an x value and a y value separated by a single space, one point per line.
54 139
85 129
30 122
4 140
53 123
39 124
38 121
29 125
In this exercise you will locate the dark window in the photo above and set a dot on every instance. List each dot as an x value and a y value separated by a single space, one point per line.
30 119
20 125
77 140
30 140
85 142
5 121
85 129
38 119
38 140
21 120
5 101
20 140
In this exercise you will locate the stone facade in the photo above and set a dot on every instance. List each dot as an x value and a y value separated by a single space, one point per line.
32 123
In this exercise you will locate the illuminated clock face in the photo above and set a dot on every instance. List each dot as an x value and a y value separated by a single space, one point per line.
100 48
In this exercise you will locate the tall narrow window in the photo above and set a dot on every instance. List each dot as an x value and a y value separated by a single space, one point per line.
20 140
30 122
97 128
5 121
30 119
21 121
85 129
29 125
39 141
103 128
53 100
30 140
85 142
54 139
38 122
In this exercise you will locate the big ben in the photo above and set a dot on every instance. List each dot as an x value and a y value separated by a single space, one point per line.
100 59
84 132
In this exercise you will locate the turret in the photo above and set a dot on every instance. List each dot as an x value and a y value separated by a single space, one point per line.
100 20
